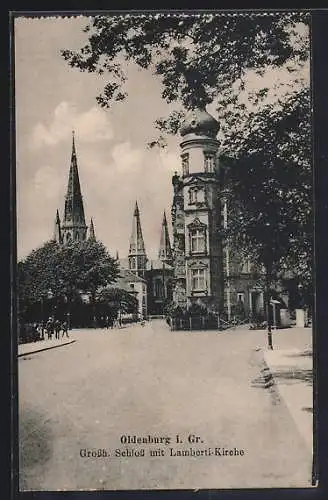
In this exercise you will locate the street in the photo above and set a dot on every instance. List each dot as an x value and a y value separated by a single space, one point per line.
149 381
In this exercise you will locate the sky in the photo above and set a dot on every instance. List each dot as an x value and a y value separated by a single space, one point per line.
115 166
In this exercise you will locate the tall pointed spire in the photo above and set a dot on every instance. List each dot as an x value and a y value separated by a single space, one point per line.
165 250
57 229
74 227
92 235
117 257
136 241
137 252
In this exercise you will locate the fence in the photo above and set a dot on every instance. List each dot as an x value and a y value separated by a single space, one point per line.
208 322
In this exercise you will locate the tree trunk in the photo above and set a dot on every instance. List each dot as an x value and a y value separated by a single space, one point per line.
267 304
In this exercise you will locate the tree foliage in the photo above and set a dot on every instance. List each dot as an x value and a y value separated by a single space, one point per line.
117 298
196 56
204 59
65 270
269 187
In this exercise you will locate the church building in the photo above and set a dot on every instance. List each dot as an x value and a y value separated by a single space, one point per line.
157 273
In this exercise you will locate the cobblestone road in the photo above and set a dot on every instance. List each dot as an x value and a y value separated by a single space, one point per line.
142 381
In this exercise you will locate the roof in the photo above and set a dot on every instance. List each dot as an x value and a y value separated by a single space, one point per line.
200 122
128 276
151 264
157 264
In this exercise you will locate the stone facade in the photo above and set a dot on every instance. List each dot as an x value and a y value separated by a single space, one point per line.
196 216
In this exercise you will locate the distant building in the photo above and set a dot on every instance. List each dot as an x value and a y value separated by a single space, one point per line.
137 286
157 273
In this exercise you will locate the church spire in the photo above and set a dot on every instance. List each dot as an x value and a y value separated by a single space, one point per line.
74 227
92 235
165 250
137 252
57 229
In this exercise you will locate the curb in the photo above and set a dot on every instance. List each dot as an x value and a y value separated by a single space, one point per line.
265 379
46 348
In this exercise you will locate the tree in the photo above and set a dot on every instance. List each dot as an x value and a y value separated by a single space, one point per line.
269 189
114 299
269 186
66 271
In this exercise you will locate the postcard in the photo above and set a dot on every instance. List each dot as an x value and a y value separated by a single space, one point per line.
163 166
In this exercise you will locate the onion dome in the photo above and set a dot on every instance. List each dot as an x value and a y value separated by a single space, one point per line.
200 122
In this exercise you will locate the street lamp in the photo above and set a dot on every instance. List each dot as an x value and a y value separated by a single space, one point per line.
268 259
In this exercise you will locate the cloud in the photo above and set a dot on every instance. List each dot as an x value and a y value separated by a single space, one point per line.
47 183
90 126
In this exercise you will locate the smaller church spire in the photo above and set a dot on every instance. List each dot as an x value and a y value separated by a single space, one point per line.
92 235
57 229
137 251
165 250
117 256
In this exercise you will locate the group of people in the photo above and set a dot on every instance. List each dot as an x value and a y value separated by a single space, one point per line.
52 328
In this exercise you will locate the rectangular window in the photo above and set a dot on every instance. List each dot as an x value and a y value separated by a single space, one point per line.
197 238
158 288
185 164
209 161
196 195
192 196
246 267
198 280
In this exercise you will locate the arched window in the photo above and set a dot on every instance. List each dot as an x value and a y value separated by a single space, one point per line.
68 237
77 236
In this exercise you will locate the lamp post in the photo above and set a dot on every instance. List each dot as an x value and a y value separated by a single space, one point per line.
50 296
267 260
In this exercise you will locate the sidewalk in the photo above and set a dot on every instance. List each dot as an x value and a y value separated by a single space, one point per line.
291 366
43 345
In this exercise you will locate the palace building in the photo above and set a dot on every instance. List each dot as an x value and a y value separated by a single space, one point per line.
205 270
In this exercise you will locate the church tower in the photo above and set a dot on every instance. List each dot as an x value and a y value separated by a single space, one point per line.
199 189
165 251
73 227
137 252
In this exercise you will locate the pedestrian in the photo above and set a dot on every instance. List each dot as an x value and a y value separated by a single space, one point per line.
40 332
57 329
50 328
65 328
35 332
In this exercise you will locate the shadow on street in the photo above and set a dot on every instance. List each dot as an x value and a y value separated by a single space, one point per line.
36 438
